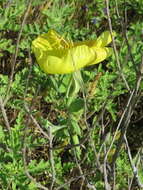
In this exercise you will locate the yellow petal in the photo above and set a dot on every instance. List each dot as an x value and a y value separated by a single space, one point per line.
103 40
58 56
101 54
64 60
50 40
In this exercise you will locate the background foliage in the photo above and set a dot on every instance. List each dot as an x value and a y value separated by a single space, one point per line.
86 133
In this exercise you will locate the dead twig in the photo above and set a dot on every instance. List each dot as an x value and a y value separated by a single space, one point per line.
75 179
126 116
114 46
51 158
14 58
134 168
4 115
35 122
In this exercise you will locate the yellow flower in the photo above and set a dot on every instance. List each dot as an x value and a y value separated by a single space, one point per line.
58 56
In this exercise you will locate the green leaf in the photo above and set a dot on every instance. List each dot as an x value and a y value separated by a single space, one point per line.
76 105
75 128
75 140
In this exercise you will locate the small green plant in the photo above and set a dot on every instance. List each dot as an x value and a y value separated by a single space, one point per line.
84 117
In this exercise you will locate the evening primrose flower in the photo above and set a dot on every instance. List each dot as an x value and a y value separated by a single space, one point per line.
55 55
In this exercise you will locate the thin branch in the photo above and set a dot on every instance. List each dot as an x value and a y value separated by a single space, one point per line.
114 178
29 74
4 115
124 28
117 10
134 168
134 96
14 58
114 46
118 126
51 157
97 161
126 116
35 122
139 76
106 183
74 179
80 170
